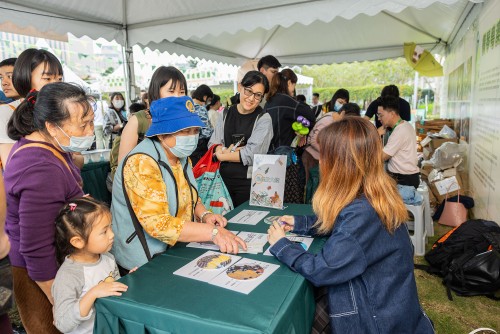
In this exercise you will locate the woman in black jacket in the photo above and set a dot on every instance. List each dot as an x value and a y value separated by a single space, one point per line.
284 108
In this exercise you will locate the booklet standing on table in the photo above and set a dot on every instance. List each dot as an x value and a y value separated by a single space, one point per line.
268 180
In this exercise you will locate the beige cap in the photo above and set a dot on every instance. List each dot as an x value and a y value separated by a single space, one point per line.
249 65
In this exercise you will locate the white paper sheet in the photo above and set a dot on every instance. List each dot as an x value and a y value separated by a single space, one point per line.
249 217
255 242
207 244
305 242
195 270
245 275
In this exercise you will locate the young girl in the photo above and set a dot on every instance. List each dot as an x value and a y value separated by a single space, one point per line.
83 239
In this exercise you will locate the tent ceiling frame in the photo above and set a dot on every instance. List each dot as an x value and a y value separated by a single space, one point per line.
227 12
61 15
438 39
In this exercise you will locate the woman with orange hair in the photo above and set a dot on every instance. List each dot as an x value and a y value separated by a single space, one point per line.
366 264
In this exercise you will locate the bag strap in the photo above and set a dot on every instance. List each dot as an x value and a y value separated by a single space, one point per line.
139 231
48 148
448 191
184 170
211 161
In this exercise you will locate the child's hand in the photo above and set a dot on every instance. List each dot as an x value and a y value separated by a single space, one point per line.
133 269
302 141
275 233
106 289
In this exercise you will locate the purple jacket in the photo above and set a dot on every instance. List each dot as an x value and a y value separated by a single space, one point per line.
37 185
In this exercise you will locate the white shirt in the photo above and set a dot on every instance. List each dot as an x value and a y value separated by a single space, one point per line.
6 111
402 147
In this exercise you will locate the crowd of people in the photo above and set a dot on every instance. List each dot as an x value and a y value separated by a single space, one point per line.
51 233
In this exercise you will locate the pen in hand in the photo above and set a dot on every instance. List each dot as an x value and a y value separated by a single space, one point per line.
237 144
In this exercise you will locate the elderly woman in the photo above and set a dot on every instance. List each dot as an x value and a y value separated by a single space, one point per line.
40 177
155 200
366 264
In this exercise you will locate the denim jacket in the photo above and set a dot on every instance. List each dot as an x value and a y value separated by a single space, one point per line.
368 272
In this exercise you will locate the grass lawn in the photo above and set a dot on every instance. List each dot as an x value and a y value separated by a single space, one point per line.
460 316
463 314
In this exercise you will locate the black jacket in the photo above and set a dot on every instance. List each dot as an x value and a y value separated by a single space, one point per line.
284 110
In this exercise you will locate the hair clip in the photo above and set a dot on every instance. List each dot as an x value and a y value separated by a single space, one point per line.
32 96
72 206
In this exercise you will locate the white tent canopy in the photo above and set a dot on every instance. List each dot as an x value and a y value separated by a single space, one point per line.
295 31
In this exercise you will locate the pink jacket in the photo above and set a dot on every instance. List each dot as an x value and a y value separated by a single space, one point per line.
312 139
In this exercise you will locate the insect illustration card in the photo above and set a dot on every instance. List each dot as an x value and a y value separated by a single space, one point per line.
207 266
245 275
268 181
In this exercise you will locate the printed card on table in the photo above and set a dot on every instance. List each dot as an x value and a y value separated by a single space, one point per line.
207 266
305 242
245 275
255 242
207 244
268 180
249 217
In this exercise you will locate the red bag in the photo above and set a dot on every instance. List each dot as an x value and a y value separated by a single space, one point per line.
206 163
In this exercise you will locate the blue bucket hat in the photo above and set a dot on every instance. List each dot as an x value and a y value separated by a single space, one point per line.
172 114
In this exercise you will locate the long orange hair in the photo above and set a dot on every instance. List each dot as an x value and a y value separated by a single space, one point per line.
351 165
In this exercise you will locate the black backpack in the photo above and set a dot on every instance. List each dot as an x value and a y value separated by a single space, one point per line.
468 259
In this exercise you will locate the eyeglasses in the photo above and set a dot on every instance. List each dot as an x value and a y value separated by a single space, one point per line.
248 92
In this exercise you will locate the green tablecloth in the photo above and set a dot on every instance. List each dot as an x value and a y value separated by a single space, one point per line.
159 302
94 180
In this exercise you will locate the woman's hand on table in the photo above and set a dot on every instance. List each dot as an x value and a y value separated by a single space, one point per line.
228 242
215 219
275 232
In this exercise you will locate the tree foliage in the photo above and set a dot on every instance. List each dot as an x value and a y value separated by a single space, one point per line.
356 74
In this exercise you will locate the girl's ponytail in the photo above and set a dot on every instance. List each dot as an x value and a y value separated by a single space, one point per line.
22 122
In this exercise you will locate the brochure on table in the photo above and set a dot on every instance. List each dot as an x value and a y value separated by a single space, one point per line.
245 275
268 180
228 271
207 244
249 217
305 242
255 242
207 266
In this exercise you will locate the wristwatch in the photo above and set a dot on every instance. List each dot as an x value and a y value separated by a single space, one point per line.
215 231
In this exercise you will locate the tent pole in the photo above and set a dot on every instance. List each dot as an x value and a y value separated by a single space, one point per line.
415 91
128 59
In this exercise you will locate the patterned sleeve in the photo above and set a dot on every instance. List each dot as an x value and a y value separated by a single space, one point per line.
148 196
207 130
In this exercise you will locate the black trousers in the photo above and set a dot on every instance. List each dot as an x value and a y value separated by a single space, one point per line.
239 189
406 179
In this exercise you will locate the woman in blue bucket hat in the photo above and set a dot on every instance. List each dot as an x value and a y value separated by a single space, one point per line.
155 200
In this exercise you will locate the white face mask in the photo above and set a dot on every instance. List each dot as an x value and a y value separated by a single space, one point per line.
184 145
76 144
337 106
118 104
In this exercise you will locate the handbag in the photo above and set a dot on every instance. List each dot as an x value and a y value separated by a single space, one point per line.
206 163
454 213
211 188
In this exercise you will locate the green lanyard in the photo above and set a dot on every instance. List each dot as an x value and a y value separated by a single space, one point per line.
400 120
